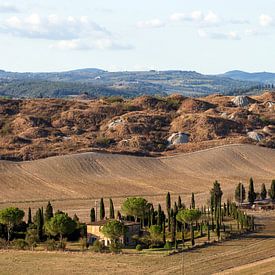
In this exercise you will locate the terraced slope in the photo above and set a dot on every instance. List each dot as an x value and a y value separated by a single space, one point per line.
92 175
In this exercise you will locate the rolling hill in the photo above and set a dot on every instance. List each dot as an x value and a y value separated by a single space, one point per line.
93 175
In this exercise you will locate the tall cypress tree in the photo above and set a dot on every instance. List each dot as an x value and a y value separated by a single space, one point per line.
101 209
48 212
180 206
251 192
39 222
271 191
159 217
30 216
168 208
92 215
240 193
193 204
112 210
263 192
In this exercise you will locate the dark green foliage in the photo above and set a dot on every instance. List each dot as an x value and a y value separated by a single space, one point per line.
11 216
31 238
271 191
92 215
251 192
113 230
168 209
97 246
193 204
263 192
101 209
48 212
39 223
29 216
159 217
19 244
240 193
112 210
180 205
139 247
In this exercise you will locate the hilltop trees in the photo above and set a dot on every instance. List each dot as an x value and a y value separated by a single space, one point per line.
240 193
263 192
11 216
251 192
271 191
112 210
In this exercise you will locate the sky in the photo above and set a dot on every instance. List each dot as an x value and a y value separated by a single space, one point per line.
208 36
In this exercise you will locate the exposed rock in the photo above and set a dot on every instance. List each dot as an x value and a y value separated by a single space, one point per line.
255 136
178 138
270 130
241 101
116 122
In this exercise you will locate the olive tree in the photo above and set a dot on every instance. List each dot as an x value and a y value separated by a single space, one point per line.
11 216
113 230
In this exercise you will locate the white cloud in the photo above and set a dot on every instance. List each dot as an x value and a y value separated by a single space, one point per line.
231 35
197 16
153 23
265 20
96 44
52 27
7 8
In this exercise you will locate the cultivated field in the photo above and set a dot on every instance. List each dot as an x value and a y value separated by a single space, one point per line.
253 254
74 182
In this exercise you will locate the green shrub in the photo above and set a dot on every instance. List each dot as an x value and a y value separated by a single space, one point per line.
62 245
97 246
20 244
51 245
115 247
168 246
139 247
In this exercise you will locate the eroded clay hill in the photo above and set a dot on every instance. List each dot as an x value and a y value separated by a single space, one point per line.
33 129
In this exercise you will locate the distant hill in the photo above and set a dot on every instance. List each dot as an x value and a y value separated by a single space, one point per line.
98 83
264 77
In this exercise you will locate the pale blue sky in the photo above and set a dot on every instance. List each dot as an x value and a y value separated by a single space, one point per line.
209 36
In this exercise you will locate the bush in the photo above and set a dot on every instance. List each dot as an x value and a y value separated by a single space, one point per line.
3 244
20 244
97 246
115 247
168 246
51 245
83 243
62 245
139 247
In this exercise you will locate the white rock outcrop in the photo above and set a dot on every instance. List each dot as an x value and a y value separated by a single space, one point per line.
255 136
178 138
241 101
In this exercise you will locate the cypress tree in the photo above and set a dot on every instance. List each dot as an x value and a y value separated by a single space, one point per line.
168 208
118 215
271 191
39 222
159 217
240 193
112 210
48 212
263 192
193 204
30 216
173 225
92 215
101 209
251 192
163 230
180 206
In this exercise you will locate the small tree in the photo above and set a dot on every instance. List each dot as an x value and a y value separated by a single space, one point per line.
39 223
240 193
156 236
263 192
271 191
29 216
92 215
31 238
189 216
136 207
101 209
112 210
113 230
11 216
251 192
193 204
48 212
168 209
60 224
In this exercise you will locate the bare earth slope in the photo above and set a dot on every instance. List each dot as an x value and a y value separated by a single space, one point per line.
92 175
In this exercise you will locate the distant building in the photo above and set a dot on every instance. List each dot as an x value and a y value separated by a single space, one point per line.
94 232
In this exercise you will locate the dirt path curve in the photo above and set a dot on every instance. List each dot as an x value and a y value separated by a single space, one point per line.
229 255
